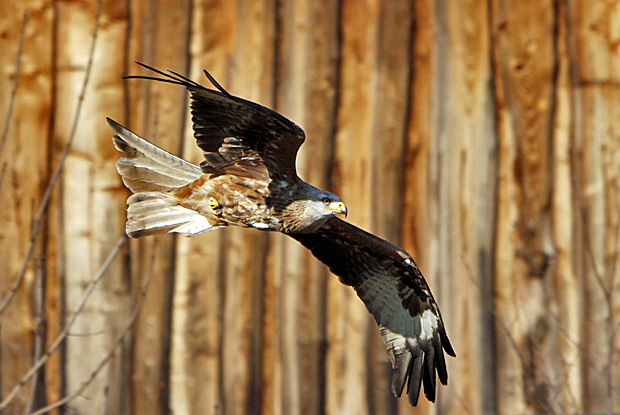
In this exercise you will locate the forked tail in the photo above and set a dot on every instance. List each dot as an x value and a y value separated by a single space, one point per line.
152 175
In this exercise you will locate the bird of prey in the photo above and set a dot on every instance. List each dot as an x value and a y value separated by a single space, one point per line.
248 179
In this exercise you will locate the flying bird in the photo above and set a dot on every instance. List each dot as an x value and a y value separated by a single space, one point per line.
248 178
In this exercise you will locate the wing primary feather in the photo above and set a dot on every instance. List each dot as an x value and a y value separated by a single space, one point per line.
150 68
186 79
164 74
415 378
428 374
399 380
216 84
445 342
408 317
179 80
442 370
153 78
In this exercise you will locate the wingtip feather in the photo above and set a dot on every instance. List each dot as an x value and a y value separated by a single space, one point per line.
440 364
428 375
118 129
445 342
216 84
399 376
415 379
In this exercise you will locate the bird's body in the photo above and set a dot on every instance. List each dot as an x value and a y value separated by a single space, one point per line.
248 198
248 179
243 201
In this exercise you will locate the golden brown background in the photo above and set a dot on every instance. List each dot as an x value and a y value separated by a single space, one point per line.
481 135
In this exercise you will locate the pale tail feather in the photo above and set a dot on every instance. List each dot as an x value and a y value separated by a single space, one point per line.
151 173
148 166
152 213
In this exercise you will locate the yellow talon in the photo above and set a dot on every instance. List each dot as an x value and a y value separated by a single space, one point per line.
214 204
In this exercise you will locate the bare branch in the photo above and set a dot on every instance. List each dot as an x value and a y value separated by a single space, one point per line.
63 335
18 64
38 221
87 334
130 322
598 275
574 343
39 338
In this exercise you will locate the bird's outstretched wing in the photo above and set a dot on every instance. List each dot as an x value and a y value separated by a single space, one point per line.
236 135
393 289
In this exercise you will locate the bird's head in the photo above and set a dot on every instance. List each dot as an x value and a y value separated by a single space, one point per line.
322 204
332 205
311 208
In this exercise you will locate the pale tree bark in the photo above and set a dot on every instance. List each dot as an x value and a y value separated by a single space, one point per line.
197 326
389 83
480 136
524 65
347 320
294 338
465 162
596 79
244 257
157 112
25 50
565 305
90 222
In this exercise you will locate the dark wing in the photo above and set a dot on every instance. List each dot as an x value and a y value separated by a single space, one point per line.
236 135
391 286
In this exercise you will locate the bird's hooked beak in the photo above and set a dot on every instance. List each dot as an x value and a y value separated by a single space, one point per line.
340 208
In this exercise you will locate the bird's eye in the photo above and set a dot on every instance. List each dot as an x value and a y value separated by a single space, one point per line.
327 201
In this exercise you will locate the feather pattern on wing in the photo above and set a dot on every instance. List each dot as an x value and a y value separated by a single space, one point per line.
394 291
236 133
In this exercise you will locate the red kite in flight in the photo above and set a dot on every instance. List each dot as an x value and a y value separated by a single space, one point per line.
248 179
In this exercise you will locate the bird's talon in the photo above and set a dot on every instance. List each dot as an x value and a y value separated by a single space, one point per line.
214 204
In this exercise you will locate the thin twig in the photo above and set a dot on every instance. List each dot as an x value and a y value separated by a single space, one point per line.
38 221
39 336
86 334
591 364
63 335
110 354
598 276
18 64
587 243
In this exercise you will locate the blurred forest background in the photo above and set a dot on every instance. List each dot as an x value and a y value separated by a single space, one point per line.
483 136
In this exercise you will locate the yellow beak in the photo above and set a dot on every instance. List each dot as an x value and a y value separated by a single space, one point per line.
342 209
